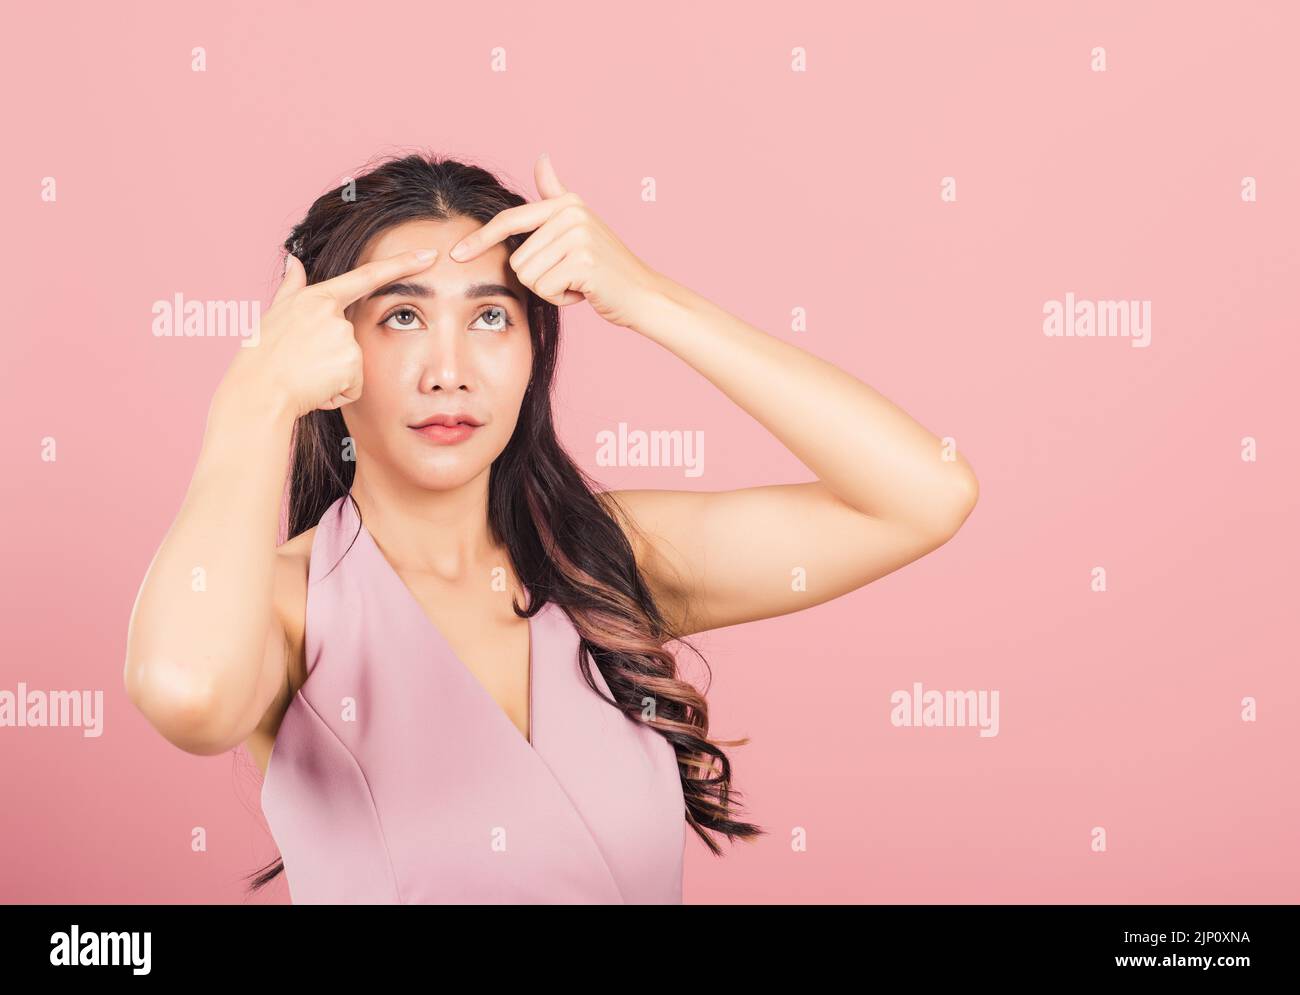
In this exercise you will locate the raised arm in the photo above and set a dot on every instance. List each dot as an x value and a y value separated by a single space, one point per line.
888 492
207 646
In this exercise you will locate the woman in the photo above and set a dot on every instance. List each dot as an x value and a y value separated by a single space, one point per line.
454 673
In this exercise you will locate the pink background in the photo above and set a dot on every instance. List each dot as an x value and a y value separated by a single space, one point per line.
776 189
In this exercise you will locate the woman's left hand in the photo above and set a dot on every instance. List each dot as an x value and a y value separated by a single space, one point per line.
571 254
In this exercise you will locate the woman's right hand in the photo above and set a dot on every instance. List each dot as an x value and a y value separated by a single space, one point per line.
307 355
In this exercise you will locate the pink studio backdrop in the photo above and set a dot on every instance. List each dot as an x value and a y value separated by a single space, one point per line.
776 189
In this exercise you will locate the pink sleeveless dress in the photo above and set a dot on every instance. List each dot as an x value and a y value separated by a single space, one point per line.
397 778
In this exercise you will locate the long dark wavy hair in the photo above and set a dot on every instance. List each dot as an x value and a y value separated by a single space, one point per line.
564 542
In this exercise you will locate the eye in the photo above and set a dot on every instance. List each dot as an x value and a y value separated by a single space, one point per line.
501 322
406 314
498 319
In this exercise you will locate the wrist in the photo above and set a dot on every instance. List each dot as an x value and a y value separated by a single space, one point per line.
246 397
662 306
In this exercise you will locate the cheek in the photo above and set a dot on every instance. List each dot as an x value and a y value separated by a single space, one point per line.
382 373
505 372
521 368
523 372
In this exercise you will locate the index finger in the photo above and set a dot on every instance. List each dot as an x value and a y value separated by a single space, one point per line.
347 287
511 221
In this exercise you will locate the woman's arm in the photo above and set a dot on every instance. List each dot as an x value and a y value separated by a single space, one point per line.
206 651
208 646
885 494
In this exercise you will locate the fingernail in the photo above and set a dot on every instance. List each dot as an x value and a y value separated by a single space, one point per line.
424 255
458 250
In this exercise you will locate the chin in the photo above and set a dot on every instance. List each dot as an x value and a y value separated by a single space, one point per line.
443 471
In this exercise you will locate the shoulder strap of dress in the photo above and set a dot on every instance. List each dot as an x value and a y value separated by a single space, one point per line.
335 532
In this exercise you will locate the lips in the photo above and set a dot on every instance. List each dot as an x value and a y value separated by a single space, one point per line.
446 430
448 421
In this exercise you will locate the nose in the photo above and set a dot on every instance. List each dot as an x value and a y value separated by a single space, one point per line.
445 358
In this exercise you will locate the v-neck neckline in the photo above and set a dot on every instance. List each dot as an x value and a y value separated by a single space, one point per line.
529 741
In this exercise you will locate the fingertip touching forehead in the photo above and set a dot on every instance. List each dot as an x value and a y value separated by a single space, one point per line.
486 275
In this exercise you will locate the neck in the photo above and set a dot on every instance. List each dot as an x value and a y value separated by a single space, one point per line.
442 532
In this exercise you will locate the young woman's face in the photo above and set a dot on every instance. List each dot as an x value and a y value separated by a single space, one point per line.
450 340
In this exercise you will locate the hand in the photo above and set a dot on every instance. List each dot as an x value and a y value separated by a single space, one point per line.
307 355
571 254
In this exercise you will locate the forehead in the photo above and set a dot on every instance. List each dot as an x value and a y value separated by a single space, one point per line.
427 233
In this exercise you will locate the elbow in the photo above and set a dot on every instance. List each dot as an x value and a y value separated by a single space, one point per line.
970 495
959 506
181 709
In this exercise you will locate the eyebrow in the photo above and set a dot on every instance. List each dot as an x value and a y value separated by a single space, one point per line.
472 292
